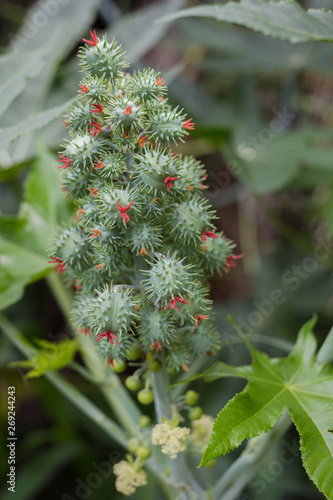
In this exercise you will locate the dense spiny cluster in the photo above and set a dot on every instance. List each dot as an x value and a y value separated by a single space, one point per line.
143 241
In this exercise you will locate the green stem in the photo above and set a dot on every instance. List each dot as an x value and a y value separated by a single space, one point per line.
117 397
180 473
195 368
75 396
243 469
81 370
80 401
282 344
63 295
325 354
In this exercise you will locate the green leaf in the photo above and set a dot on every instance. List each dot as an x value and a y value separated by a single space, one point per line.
25 239
18 268
286 19
11 292
232 51
44 205
36 122
16 70
281 158
59 35
298 383
52 356
138 33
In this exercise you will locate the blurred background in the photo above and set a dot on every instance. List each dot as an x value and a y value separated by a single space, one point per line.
263 110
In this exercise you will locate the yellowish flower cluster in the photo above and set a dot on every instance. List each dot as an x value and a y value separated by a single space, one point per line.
129 477
170 437
201 432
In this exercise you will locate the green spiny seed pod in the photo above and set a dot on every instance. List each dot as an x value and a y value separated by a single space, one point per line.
178 357
78 116
155 170
112 310
76 182
203 340
168 277
143 241
114 262
73 247
103 59
190 219
94 278
96 91
167 125
83 151
115 202
112 167
112 348
145 237
192 174
126 113
147 84
215 253
156 326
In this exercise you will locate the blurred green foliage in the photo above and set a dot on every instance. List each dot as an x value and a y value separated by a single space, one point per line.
264 113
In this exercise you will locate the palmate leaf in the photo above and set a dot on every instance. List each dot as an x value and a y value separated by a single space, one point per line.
299 383
286 19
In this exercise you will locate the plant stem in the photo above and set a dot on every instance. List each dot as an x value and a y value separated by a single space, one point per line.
63 295
180 473
75 396
282 344
243 469
195 367
81 370
80 401
117 397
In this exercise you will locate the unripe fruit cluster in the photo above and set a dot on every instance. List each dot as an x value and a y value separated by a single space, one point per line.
143 243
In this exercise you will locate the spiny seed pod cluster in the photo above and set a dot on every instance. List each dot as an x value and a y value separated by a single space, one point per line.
142 243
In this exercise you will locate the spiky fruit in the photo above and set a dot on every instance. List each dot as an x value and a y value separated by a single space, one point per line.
143 241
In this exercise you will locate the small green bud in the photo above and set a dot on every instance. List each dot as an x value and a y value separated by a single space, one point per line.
143 452
145 397
133 383
195 413
119 366
144 421
133 444
133 353
191 397
154 365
